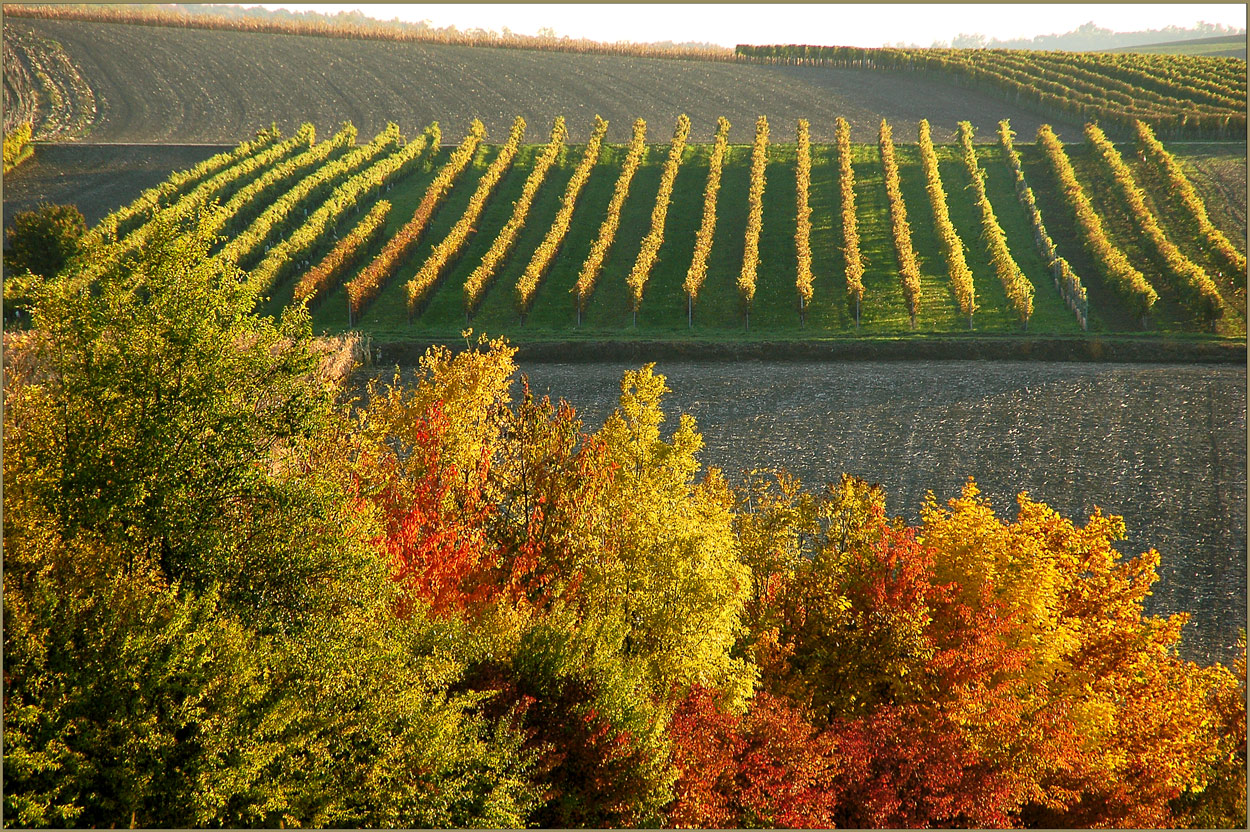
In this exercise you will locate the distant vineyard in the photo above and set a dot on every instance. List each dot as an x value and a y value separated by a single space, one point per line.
408 238
1177 95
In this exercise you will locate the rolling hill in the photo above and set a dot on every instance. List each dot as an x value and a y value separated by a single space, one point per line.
161 84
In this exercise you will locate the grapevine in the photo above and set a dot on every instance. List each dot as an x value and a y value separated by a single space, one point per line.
286 253
952 246
650 249
1019 289
419 287
850 225
607 230
317 283
365 287
755 218
803 214
1126 280
476 283
530 279
1069 284
707 228
1190 281
909 270
1222 251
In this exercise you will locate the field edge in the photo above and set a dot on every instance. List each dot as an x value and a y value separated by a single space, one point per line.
1105 349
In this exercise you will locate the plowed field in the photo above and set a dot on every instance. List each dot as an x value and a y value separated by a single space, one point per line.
178 85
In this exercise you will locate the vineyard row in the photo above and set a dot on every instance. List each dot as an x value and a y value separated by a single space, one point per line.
315 212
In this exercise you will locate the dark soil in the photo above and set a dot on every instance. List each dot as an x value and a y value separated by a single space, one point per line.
1164 446
96 178
164 84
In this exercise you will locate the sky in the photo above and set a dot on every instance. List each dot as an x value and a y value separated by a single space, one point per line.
846 25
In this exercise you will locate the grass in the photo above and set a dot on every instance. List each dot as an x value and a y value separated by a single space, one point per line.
1169 314
1177 223
718 311
1050 313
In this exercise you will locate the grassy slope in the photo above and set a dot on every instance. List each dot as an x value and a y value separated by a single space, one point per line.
1106 312
718 310
1169 314
1176 221
1230 45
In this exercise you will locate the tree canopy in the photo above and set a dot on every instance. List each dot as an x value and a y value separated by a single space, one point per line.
237 595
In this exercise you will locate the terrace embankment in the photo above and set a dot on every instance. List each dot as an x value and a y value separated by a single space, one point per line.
927 348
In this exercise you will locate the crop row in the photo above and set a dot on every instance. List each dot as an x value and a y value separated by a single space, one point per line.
1233 261
1019 289
607 230
275 177
1190 282
952 246
189 205
1123 277
850 223
292 250
243 248
475 285
141 209
1192 96
322 278
803 214
366 286
530 279
419 287
1069 284
755 217
900 229
324 261
650 250
697 273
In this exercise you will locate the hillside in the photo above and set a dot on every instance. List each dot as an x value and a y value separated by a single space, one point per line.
180 85
1224 46
278 218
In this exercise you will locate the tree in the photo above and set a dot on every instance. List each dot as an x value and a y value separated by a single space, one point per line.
1119 729
164 414
43 240
766 768
678 588
40 243
199 630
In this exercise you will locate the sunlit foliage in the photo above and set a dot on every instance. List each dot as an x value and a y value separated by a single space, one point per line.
235 596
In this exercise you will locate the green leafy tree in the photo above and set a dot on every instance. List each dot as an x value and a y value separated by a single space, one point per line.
43 240
40 243
199 630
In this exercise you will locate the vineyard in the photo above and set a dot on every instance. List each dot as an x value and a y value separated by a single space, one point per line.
289 541
696 238
1177 95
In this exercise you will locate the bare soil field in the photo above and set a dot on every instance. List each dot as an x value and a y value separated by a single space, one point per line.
1164 446
97 179
164 84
